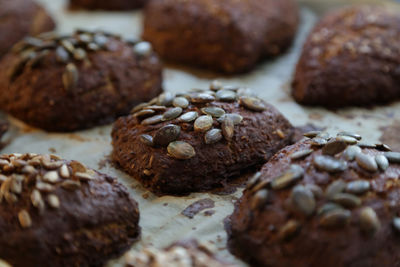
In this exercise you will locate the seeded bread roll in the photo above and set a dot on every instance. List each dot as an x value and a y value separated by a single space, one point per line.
107 4
20 18
351 58
59 213
183 254
227 35
67 83
197 141
321 202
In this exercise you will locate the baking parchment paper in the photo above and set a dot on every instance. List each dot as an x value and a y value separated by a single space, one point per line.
161 219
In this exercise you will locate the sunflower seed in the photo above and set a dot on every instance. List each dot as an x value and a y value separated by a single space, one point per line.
316 190
70 76
181 150
64 172
351 152
254 180
236 118
383 147
301 154
312 134
139 107
143 49
369 221
334 147
358 187
24 219
213 111
84 176
396 224
289 230
171 114
327 208
202 98
166 135
291 176
152 120
347 139
53 201
252 103
226 95
144 113
349 134
146 139
68 46
382 162
228 128
203 123
79 54
335 218
37 200
317 141
16 185
334 188
71 185
393 157
51 177
366 162
216 85
213 136
165 99
302 200
329 164
259 199
346 200
180 102
44 187
188 116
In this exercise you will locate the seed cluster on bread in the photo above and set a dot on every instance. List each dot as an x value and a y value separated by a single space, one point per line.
351 58
195 141
187 253
71 82
60 213
328 201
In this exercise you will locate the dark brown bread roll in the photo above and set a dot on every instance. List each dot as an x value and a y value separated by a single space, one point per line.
187 253
352 57
321 202
59 213
107 4
227 35
20 18
67 83
197 141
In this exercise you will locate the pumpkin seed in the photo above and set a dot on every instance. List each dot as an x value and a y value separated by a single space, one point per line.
139 107
327 208
202 98
165 99
93 47
100 40
181 150
188 116
383 147
393 157
226 95
152 120
335 188
228 128
79 54
259 199
236 118
18 67
302 200
382 161
213 136
203 123
172 113
366 145
301 154
358 187
335 218
180 102
166 135
157 108
369 221
351 152
245 92
312 134
143 49
289 177
333 147
350 134
317 141
146 139
346 200
289 230
70 76
316 190
213 111
347 139
68 46
144 113
216 85
366 162
252 103
329 164
34 62
396 224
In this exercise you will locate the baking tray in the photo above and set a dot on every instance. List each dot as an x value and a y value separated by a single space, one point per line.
162 220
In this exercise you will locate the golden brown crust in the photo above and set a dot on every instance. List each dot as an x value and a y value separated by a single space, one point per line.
227 35
351 58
